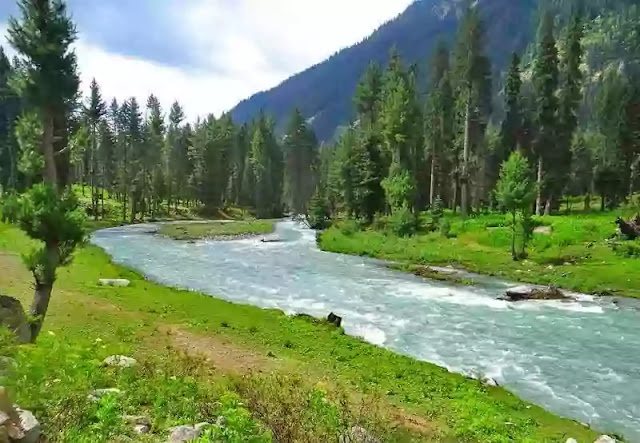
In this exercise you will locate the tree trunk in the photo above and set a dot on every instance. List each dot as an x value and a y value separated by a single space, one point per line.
50 170
547 206
539 207
454 203
587 202
433 184
39 308
514 255
464 179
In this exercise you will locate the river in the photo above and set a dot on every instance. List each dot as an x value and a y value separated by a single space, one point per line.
579 359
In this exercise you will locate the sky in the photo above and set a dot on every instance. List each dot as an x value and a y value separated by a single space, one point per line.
209 54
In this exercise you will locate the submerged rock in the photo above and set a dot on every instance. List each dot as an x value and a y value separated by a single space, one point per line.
116 282
12 317
524 293
119 361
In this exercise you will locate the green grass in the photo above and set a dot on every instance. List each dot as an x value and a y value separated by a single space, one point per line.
578 255
194 231
324 381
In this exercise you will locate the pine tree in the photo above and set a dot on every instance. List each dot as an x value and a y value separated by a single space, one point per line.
9 108
439 121
153 171
570 98
472 75
94 111
49 79
300 156
48 83
545 81
367 96
512 123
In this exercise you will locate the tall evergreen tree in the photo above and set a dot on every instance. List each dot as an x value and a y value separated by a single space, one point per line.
48 83
472 72
48 69
95 109
300 159
545 82
439 122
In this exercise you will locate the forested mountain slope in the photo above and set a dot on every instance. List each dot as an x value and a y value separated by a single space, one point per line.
323 92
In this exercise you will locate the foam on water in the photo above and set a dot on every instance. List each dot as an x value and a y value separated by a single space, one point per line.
580 359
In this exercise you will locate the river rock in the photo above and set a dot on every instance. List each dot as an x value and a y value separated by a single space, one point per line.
116 282
357 435
571 440
181 434
12 317
334 319
120 361
524 293
605 439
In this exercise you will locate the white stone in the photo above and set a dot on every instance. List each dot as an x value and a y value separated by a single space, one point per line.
30 426
141 429
571 440
118 282
180 434
120 361
605 439
97 394
544 230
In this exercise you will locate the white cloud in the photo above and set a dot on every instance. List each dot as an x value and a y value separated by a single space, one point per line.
243 46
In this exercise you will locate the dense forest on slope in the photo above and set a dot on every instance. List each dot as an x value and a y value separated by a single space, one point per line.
323 92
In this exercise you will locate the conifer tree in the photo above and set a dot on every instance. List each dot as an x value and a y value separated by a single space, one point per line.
300 156
545 81
48 83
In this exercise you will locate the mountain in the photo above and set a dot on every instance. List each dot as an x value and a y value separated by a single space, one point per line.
323 92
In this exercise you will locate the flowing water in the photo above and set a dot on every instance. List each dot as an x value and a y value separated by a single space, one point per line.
579 359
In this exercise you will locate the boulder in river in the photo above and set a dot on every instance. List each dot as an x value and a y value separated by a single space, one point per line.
334 319
525 293
12 317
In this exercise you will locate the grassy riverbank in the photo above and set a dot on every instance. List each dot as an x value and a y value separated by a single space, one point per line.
217 229
268 373
576 252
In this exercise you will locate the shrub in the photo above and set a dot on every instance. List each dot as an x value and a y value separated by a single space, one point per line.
403 222
349 227
629 249
444 228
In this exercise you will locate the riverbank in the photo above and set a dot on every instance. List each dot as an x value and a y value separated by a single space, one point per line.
571 252
292 360
217 230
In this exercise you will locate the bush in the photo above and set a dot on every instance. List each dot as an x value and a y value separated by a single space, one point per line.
629 249
444 228
403 222
349 227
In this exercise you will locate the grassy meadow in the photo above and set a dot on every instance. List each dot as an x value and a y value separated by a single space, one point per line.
217 229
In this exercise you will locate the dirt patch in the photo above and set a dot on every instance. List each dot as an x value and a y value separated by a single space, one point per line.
221 353
413 423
